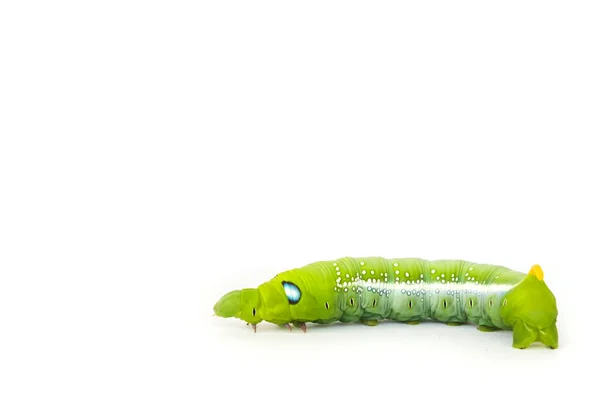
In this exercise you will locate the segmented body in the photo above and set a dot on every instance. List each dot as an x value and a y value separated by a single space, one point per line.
404 289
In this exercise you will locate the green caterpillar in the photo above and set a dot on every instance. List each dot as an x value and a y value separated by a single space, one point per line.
409 290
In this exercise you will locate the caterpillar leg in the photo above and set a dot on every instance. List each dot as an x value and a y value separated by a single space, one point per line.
254 327
286 326
369 322
549 336
485 328
412 322
523 335
455 323
301 325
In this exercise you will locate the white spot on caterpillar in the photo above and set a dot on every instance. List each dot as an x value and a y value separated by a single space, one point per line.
397 272
334 264
453 275
372 272
406 274
345 284
345 289
421 299
369 280
364 272
381 274
338 279
385 274
395 264
348 276
496 276
471 269
438 278
433 271
467 274
362 263
443 276
397 279
437 290
337 268
403 291
443 281
421 276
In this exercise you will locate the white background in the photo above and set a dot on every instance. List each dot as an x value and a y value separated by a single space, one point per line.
155 155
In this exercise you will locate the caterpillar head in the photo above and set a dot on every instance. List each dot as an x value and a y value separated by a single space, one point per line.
270 302
243 304
530 309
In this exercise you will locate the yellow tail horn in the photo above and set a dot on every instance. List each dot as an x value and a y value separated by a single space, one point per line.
536 271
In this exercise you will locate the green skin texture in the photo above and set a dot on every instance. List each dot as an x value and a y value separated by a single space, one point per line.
498 298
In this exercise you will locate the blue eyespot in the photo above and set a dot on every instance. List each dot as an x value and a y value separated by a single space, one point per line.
292 292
